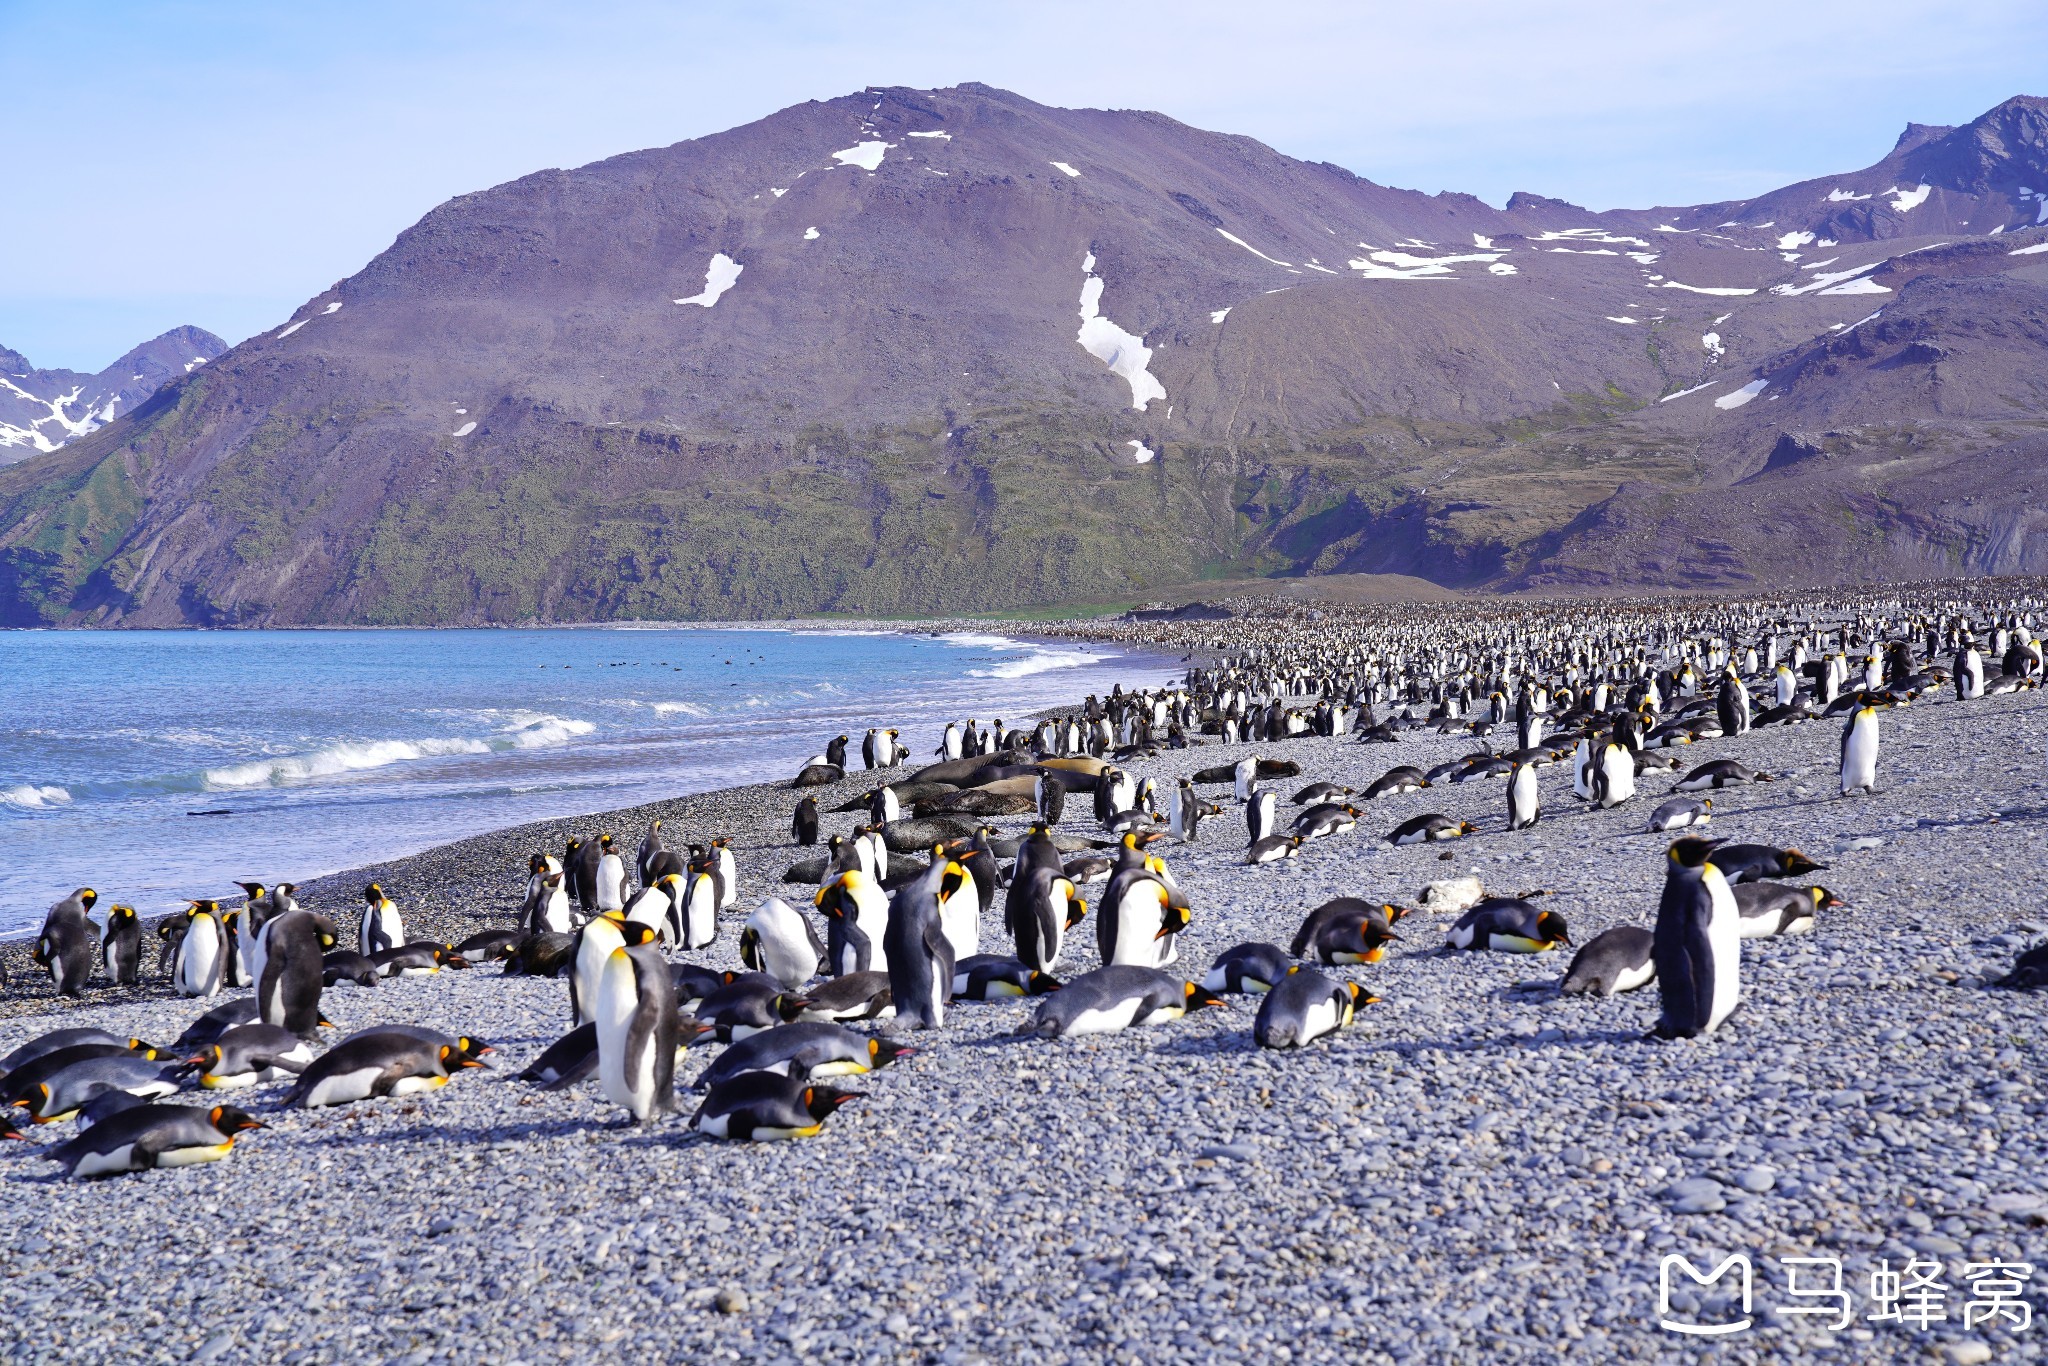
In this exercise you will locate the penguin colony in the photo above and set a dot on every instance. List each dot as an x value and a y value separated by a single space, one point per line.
915 905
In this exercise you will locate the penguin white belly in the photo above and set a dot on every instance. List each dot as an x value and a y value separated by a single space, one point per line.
1628 979
960 920
1137 927
1515 943
121 1159
554 915
729 874
412 1086
343 1088
1105 1019
1319 1019
1620 771
700 913
214 1081
618 998
194 1156
611 883
873 921
1724 941
1859 758
199 963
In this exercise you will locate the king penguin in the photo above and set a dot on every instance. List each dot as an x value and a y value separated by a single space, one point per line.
288 992
638 1030
1524 810
1859 751
381 926
122 949
1697 944
779 940
69 942
202 957
920 956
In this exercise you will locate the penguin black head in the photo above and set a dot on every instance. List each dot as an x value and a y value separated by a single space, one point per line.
88 896
1359 995
205 908
537 865
232 1121
952 880
251 890
882 1052
1796 863
605 842
821 1101
634 932
1692 851
120 913
1172 920
373 894
1195 996
206 1059
1041 984
1550 928
789 1007
454 1059
1823 899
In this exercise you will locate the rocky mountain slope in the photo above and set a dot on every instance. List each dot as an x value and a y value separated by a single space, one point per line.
41 410
920 351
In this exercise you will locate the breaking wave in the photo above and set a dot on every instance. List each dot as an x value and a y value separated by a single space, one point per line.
528 731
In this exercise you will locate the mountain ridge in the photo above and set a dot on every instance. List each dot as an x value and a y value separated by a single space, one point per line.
954 350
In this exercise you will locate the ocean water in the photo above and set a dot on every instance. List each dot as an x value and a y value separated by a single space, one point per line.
328 749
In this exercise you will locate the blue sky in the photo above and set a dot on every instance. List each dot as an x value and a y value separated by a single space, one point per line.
218 163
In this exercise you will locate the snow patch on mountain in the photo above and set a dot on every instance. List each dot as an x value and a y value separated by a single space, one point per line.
1400 265
722 274
1742 395
866 155
1728 290
1233 237
1061 165
1825 282
1141 453
1905 201
1125 353
1844 196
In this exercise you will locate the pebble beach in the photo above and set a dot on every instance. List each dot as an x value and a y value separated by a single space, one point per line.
1477 1170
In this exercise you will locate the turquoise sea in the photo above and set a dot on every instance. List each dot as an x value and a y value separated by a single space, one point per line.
313 751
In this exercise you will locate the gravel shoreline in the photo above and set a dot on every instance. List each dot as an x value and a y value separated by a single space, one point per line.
1477 1170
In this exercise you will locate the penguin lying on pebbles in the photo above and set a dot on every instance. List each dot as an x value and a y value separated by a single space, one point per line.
55 1039
249 1055
1429 827
144 1137
1247 969
1404 778
693 983
748 1004
216 1022
761 1106
346 965
1720 773
566 1061
1771 908
855 996
1506 924
1748 862
1303 1006
1273 849
62 1090
21 1085
996 977
803 1052
1113 998
489 946
373 1065
1680 812
1612 962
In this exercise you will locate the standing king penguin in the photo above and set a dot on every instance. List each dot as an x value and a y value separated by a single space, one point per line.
1697 945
